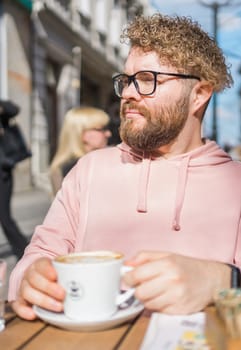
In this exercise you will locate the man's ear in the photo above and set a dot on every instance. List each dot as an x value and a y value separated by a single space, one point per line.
200 96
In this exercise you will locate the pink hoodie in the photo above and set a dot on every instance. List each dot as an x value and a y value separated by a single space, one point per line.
116 199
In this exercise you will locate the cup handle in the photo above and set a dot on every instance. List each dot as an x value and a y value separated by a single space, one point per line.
123 297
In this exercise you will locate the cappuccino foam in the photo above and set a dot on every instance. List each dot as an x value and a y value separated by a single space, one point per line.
87 258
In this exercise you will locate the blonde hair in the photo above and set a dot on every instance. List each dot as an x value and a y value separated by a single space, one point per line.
180 42
77 120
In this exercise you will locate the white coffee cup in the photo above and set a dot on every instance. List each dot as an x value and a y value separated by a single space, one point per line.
92 284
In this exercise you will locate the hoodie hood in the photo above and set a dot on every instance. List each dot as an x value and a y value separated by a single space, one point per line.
207 155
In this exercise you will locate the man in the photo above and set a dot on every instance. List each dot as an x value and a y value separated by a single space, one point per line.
166 197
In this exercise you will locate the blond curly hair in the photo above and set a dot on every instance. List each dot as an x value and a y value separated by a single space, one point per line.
181 43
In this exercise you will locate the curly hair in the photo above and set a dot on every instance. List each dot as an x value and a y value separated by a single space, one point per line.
181 43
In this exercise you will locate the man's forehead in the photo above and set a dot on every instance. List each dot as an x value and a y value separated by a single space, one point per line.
140 52
138 59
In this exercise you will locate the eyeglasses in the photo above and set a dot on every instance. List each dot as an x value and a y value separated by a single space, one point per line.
145 81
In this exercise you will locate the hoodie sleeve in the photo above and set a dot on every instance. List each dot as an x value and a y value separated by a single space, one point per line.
57 234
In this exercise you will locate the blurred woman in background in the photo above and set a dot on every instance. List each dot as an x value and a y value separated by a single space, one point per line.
84 129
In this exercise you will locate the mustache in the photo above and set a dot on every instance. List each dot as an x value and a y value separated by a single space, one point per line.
133 105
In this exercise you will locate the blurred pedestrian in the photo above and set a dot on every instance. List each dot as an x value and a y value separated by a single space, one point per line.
13 149
84 129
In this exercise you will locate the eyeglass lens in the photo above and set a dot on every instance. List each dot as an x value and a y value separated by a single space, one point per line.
145 82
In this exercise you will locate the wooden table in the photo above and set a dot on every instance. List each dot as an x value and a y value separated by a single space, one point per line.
37 335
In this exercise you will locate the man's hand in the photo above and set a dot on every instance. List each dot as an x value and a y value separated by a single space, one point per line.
39 287
175 284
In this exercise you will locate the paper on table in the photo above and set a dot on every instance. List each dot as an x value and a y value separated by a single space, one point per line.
168 332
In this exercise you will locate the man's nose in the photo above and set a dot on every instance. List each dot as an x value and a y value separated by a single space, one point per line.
130 92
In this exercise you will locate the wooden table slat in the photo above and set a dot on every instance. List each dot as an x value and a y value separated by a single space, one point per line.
59 339
135 337
18 331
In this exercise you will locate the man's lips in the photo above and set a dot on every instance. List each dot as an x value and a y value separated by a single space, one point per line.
133 114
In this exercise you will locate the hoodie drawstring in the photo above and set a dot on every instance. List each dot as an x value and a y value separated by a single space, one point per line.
180 192
143 185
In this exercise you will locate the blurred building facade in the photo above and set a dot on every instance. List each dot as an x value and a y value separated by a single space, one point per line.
55 54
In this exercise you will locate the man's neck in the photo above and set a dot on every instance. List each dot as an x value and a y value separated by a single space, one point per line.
178 148
189 139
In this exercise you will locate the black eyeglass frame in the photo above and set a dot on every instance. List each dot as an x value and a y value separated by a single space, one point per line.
131 78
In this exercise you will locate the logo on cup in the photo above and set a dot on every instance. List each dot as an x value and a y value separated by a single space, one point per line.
75 290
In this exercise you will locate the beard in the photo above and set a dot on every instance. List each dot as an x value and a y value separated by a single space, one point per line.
158 130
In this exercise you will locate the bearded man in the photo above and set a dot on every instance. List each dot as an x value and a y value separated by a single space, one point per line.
166 197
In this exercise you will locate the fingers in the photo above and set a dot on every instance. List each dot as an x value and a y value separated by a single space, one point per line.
42 277
38 297
161 293
39 287
146 256
23 310
44 266
159 281
151 268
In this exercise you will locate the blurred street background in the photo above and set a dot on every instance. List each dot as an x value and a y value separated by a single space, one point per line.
57 54
29 209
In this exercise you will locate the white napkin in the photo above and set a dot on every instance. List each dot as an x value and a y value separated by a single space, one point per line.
168 332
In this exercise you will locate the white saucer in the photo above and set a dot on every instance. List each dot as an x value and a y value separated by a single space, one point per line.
60 320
